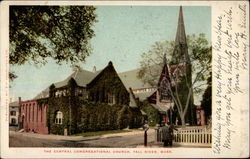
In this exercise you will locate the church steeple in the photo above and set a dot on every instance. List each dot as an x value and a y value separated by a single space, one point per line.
180 34
181 57
181 48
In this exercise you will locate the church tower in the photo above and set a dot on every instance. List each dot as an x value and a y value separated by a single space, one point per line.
180 54
181 58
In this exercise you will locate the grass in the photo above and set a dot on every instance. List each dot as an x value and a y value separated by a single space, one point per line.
99 133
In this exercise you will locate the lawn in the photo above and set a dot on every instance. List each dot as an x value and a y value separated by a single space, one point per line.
99 133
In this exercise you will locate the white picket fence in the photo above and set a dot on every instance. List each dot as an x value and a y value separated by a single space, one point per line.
195 135
199 135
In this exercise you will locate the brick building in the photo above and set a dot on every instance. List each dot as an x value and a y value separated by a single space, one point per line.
200 114
33 116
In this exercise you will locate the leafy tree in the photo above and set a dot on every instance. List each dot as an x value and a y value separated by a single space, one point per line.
152 62
153 116
58 32
200 56
206 102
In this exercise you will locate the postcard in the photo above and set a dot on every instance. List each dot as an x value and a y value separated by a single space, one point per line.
124 79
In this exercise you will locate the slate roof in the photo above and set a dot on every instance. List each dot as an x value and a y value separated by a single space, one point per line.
14 104
132 102
43 94
162 108
82 78
144 95
98 74
130 80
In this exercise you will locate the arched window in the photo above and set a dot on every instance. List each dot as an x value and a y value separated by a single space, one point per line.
164 86
58 117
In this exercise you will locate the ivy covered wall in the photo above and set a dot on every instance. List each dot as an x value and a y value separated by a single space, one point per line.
58 104
95 113
105 83
102 116
90 116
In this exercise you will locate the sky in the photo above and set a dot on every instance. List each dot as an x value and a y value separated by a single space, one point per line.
123 33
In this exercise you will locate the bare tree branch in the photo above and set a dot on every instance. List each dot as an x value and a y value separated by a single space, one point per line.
188 100
179 106
198 75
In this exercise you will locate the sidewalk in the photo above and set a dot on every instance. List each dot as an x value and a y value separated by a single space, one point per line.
175 145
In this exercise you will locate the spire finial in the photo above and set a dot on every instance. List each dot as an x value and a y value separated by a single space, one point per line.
110 63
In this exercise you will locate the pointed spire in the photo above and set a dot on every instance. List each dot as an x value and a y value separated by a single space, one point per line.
165 65
164 59
165 70
181 48
180 34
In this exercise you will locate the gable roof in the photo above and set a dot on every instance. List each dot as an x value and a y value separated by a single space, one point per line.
164 74
130 80
100 73
144 95
82 78
162 108
132 102
14 104
43 94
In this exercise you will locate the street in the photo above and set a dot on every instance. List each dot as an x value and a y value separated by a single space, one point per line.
128 139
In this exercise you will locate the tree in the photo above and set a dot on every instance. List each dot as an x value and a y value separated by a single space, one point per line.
58 32
153 116
151 63
200 56
180 84
206 103
180 88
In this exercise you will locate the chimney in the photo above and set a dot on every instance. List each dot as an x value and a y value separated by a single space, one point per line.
19 99
94 69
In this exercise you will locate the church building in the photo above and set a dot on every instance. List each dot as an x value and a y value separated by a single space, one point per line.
107 100
181 66
74 105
